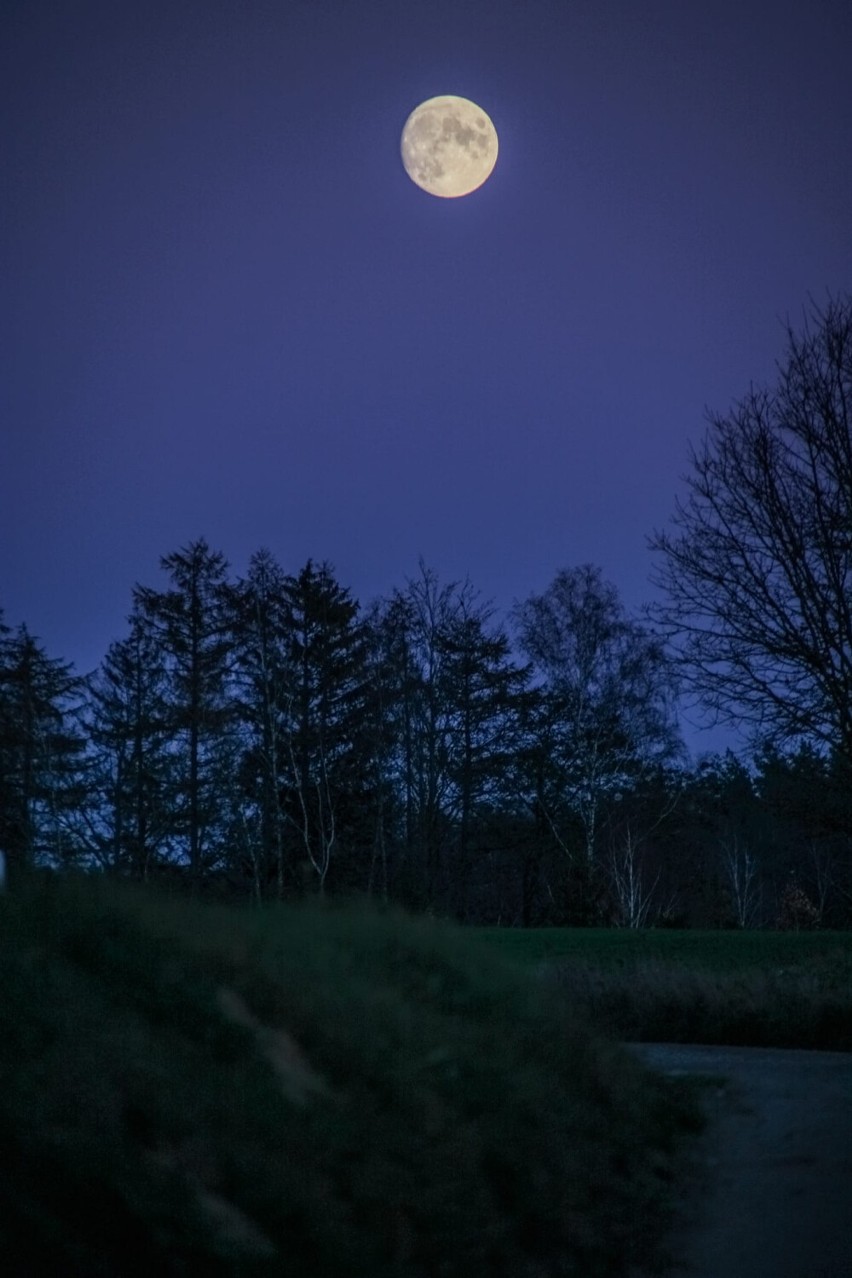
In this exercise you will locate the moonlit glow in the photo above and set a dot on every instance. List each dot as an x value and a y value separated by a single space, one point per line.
449 146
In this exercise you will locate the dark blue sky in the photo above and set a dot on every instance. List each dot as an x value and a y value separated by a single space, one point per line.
226 310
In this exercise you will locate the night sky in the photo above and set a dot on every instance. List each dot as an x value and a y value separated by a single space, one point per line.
227 311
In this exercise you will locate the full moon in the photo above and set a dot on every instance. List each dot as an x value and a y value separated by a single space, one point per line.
449 146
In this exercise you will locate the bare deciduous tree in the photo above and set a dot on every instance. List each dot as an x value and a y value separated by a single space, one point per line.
632 888
607 691
740 867
758 572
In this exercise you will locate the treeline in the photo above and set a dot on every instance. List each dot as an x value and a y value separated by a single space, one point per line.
266 736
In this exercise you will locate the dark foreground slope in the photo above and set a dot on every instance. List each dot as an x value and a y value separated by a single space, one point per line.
199 1090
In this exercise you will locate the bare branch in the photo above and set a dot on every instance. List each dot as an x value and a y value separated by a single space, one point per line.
758 569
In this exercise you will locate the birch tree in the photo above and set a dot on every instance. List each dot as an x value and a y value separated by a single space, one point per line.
607 703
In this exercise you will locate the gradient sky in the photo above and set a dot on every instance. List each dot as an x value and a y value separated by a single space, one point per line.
227 311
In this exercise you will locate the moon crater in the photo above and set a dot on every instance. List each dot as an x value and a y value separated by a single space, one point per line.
449 146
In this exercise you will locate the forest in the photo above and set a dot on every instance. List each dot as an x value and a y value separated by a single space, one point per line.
266 737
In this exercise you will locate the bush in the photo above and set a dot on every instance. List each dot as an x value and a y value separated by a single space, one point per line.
204 1090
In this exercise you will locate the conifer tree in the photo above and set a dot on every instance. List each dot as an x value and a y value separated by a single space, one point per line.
41 755
324 719
454 700
191 623
260 618
484 690
129 729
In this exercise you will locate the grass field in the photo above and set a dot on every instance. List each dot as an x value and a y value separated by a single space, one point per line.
716 951
750 988
200 1090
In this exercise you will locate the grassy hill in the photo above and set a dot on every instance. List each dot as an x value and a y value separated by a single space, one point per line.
196 1089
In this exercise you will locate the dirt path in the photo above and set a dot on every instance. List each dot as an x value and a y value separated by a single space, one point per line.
771 1192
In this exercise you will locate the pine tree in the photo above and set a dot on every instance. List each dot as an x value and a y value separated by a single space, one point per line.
452 697
191 624
129 732
483 689
323 719
8 803
261 622
41 755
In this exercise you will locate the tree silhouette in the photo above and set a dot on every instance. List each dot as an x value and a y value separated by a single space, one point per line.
450 693
130 727
606 712
41 755
758 572
191 623
260 620
323 715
